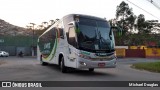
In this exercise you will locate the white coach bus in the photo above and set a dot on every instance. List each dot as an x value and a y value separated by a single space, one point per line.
78 41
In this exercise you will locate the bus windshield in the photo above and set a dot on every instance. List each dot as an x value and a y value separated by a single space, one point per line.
94 35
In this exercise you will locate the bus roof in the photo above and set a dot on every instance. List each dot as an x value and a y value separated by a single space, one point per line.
86 16
78 15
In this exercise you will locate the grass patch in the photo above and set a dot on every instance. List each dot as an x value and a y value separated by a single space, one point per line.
151 66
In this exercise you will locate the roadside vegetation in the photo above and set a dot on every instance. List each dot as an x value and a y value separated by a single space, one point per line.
151 66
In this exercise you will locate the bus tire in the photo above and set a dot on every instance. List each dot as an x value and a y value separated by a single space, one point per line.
42 63
62 66
91 69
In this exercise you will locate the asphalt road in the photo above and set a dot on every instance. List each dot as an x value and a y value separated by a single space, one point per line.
29 69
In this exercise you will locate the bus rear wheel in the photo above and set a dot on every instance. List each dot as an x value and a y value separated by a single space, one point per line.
62 66
91 69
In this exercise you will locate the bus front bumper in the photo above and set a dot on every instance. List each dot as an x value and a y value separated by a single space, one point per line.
84 63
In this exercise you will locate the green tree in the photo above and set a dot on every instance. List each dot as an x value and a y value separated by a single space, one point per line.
125 17
51 22
143 26
40 27
45 24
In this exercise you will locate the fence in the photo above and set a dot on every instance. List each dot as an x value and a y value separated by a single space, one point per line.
153 52
141 53
15 44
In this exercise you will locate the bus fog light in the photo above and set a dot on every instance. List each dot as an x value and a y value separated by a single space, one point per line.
83 63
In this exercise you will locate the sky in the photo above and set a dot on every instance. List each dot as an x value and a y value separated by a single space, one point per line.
23 12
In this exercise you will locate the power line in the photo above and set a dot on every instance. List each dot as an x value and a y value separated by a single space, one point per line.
152 2
143 9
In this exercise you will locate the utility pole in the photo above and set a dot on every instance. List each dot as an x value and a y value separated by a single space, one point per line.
33 24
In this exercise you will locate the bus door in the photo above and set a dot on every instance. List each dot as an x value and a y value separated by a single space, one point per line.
72 47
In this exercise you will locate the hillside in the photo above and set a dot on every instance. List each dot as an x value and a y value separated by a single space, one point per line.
12 30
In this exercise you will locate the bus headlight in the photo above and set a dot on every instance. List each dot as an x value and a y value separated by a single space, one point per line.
83 63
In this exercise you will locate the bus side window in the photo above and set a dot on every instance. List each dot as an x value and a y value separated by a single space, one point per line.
72 35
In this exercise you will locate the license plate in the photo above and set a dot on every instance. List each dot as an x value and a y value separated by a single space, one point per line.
101 64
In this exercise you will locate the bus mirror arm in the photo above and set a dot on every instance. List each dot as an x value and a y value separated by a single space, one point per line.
71 23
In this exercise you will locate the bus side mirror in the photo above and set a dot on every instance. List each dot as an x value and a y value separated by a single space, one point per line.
117 30
61 33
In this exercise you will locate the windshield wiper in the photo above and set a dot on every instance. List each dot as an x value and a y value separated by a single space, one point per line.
87 42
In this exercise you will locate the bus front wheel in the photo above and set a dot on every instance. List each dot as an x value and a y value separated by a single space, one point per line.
62 66
91 69
42 63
